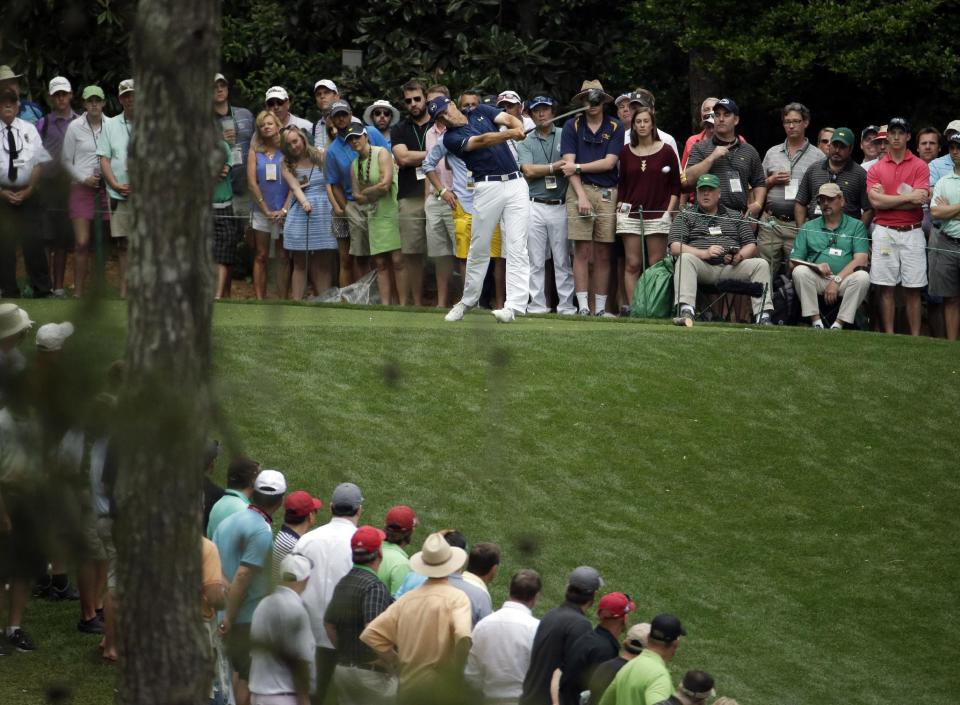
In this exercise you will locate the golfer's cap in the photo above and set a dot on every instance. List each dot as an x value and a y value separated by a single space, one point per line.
52 336
340 106
636 639
869 130
708 181
952 126
844 135
666 628
276 92
347 495
301 503
217 77
585 578
93 91
354 129
509 97
271 483
401 517
953 140
830 190
615 605
728 104
126 86
898 123
438 106
325 83
295 567
366 540
58 84
540 100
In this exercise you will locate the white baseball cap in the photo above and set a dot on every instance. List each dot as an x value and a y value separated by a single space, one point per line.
52 336
277 92
59 83
296 565
509 97
954 126
126 86
270 482
325 83
219 77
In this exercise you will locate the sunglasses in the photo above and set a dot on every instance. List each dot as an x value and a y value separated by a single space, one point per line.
382 113
273 103
415 99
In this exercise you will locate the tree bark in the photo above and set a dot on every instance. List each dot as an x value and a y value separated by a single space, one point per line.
163 650
703 83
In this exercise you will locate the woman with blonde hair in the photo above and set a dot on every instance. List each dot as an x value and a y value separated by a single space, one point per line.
307 229
269 192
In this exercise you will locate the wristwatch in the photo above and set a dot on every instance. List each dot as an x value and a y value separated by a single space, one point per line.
576 168
837 278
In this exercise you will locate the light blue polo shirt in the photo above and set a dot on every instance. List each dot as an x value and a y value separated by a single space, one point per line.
245 538
113 144
940 167
948 188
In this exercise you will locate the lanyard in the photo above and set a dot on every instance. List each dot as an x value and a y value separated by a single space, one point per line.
553 143
797 157
92 133
421 138
126 125
266 517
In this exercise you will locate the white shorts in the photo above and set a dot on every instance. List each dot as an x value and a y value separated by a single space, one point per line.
898 258
263 224
632 226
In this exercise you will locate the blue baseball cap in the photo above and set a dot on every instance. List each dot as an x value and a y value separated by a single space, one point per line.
728 104
540 100
438 106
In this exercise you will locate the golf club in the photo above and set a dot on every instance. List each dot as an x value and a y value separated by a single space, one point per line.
577 111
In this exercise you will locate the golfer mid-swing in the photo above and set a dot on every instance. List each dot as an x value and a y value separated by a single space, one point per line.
499 191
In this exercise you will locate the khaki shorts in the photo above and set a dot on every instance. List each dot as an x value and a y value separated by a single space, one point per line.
413 226
359 234
121 218
462 222
440 228
601 226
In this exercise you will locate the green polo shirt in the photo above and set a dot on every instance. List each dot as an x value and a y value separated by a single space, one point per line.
948 188
233 501
537 149
817 243
223 191
393 567
643 681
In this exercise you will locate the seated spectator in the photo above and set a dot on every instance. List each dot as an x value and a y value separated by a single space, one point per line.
281 652
603 675
300 515
694 689
500 653
398 527
839 247
595 647
240 478
712 243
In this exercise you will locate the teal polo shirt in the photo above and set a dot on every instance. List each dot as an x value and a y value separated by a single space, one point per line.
948 188
114 144
233 501
537 149
817 243
245 538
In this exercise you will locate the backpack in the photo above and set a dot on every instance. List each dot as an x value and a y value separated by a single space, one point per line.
653 295
786 303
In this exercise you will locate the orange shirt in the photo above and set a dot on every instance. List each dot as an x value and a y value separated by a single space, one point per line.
212 574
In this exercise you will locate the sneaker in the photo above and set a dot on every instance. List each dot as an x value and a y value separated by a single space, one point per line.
20 641
59 294
457 313
687 313
504 315
817 325
764 319
94 625
837 325
583 312
604 314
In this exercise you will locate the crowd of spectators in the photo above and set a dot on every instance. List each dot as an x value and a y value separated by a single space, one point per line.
610 194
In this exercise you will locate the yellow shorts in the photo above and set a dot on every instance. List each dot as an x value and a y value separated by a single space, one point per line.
461 229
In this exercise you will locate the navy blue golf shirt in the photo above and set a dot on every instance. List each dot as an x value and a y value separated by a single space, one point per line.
491 161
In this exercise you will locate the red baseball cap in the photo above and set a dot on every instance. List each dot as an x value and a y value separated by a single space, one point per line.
300 503
401 517
367 539
615 605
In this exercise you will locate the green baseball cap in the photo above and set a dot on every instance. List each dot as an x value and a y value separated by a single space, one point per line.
91 91
708 181
843 135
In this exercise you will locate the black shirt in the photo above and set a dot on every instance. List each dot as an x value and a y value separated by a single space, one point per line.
852 180
558 630
603 676
588 651
211 493
414 136
739 170
357 600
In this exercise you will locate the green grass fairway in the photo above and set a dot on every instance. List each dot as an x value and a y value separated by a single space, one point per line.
790 494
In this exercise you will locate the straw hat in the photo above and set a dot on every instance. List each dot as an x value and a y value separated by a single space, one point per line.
588 86
13 320
438 559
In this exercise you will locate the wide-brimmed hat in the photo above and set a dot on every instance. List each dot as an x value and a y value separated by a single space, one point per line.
438 559
7 74
368 113
588 86
13 320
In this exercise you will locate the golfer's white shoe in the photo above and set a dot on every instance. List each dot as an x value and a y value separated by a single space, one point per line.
504 315
457 313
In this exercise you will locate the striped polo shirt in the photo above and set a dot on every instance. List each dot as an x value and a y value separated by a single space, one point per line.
739 170
726 228
852 180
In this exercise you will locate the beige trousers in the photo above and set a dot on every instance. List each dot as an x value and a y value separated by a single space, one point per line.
691 270
809 285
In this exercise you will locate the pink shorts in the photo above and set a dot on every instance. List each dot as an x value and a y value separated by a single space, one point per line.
83 202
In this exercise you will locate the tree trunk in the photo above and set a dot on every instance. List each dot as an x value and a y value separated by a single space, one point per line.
163 651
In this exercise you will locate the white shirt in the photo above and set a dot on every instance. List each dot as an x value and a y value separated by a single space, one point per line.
304 125
79 155
280 632
869 163
30 151
328 546
661 135
528 124
500 654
